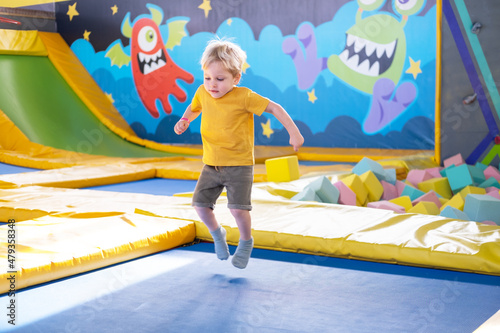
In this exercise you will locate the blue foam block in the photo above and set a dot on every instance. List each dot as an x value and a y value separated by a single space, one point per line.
482 208
325 190
306 194
390 176
459 177
367 164
454 213
489 183
412 192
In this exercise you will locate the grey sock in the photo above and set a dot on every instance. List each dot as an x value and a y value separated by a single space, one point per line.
221 248
242 254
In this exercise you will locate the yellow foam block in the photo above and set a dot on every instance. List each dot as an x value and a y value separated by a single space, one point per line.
457 201
355 183
408 183
439 185
282 169
403 201
425 207
372 185
443 201
471 190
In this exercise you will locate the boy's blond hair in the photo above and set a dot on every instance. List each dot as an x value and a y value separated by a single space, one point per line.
228 53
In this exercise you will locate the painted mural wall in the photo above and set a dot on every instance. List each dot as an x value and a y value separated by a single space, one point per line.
354 74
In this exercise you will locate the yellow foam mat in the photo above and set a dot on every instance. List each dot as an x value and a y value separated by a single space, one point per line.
357 232
52 247
25 203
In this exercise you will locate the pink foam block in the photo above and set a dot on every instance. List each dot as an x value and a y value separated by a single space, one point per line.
416 176
400 186
435 172
430 196
454 160
387 205
491 171
346 195
494 192
390 191
488 222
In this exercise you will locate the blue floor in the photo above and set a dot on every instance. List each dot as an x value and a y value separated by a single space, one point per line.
188 290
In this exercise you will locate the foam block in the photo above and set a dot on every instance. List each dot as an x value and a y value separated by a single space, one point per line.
455 160
471 190
282 169
417 176
457 201
482 208
443 201
489 223
434 172
493 193
306 194
491 171
372 185
386 205
400 186
459 177
428 197
356 185
489 183
404 201
390 176
438 185
425 207
454 213
367 164
346 195
412 192
390 191
325 190
443 171
481 166
477 174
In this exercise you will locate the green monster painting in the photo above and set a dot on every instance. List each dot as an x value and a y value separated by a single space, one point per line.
372 60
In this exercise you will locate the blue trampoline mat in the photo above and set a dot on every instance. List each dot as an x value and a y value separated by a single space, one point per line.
6 169
188 290
158 186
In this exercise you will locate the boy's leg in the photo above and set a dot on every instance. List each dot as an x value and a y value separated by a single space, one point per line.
218 233
245 245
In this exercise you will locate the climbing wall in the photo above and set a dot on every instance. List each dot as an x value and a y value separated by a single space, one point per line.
470 101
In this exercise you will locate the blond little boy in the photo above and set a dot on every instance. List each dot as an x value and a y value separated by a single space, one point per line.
227 131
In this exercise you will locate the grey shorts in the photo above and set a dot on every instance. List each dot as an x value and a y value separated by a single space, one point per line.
237 180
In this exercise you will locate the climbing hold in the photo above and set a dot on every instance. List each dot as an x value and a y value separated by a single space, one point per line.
497 140
470 99
476 28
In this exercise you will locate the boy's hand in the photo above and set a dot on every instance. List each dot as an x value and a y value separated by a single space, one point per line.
181 126
296 141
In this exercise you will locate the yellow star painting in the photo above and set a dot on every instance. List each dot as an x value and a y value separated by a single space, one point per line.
311 96
206 7
72 11
266 129
414 68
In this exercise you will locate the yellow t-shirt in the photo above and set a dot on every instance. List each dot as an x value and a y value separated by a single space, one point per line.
227 126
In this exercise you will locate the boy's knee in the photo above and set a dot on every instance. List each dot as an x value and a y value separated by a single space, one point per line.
239 212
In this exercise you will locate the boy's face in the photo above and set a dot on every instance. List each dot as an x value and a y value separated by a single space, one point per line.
218 80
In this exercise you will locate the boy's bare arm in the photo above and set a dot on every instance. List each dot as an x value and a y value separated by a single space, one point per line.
183 124
296 139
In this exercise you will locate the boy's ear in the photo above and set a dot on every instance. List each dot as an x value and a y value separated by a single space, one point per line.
237 79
